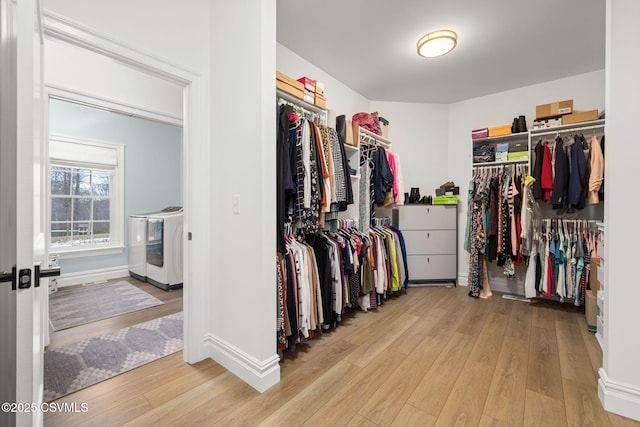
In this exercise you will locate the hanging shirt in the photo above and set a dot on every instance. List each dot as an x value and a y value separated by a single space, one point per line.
597 171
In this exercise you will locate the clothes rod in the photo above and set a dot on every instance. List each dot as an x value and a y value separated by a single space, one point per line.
299 102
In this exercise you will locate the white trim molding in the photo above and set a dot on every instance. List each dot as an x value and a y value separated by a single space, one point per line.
463 279
112 105
91 276
258 374
618 397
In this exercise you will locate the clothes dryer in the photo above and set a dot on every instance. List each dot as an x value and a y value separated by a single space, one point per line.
164 249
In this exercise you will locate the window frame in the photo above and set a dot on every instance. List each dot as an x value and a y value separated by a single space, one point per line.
116 244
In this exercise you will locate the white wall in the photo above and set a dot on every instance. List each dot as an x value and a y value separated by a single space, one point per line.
587 92
419 134
243 119
92 74
619 383
340 98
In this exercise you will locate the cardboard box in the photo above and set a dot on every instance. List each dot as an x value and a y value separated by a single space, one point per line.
285 87
308 84
500 130
320 88
320 101
289 80
385 130
554 109
308 97
579 117
353 137
594 283
590 311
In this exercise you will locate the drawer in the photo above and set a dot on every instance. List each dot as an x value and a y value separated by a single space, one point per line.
428 242
423 217
431 267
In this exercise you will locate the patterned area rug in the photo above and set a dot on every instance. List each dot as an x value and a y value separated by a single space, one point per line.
79 365
75 306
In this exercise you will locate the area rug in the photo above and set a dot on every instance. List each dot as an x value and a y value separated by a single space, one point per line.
75 306
79 365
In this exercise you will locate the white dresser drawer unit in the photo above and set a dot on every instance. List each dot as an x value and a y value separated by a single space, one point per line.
430 234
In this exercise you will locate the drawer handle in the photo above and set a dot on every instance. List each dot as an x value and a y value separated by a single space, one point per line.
428 235
428 260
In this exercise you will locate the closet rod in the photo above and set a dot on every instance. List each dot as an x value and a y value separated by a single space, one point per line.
303 104
570 130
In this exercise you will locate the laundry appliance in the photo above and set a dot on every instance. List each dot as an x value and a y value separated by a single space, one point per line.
164 249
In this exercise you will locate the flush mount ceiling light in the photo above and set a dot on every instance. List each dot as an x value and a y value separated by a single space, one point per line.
437 43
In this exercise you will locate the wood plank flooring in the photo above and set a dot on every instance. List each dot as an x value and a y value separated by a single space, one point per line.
430 357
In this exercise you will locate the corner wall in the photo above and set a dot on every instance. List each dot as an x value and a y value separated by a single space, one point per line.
587 92
619 383
419 135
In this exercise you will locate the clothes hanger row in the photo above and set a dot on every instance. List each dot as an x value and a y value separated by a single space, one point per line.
300 110
490 171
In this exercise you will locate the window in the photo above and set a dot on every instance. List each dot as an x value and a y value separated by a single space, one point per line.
86 197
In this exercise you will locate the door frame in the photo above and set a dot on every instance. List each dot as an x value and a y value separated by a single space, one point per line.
193 123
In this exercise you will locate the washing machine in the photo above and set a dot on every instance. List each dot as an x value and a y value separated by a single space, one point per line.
138 246
164 249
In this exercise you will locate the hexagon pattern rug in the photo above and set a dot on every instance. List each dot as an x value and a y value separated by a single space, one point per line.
77 305
81 364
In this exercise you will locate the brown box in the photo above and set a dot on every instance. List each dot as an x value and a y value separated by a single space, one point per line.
590 310
500 130
353 137
594 283
320 101
285 87
579 117
289 80
385 130
554 109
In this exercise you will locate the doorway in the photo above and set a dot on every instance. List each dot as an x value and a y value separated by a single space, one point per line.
78 101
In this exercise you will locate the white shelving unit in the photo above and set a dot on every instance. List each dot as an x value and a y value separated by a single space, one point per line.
517 141
364 137
600 295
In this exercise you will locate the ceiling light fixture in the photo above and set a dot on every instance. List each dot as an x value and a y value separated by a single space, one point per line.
437 43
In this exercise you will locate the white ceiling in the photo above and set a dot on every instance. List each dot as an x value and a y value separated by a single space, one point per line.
370 45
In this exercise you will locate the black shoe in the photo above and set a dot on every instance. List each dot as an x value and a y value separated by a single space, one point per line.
522 124
514 126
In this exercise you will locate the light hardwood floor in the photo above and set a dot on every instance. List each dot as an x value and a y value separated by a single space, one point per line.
433 356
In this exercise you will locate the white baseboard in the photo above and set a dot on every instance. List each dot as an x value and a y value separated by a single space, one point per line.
463 279
90 276
258 374
619 398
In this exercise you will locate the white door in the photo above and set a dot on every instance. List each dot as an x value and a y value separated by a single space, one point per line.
21 227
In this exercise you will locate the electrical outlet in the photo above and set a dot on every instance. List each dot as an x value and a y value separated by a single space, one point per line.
235 201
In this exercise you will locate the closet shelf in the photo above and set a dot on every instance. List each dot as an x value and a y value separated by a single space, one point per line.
288 97
574 127
509 137
506 162
351 148
355 176
384 142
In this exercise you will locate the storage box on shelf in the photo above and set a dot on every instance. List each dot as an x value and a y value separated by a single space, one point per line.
289 85
553 109
580 117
